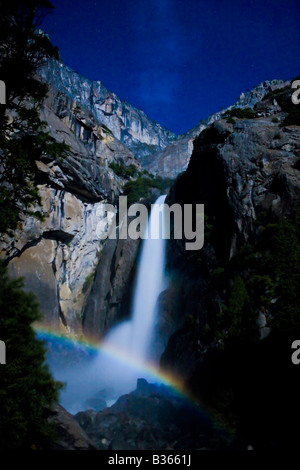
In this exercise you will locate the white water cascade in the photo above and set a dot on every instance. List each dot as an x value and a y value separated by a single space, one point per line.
125 352
134 336
149 284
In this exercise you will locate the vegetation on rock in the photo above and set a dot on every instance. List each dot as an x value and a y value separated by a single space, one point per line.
23 140
240 113
124 171
246 373
142 186
283 96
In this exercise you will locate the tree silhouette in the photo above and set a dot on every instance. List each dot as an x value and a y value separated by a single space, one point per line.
23 140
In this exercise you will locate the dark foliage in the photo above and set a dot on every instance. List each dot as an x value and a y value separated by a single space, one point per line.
292 119
123 170
142 186
27 389
283 96
240 113
23 140
251 383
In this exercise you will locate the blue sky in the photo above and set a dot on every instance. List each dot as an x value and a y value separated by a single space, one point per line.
178 60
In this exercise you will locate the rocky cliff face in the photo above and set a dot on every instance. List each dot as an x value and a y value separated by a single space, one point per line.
127 124
174 159
58 256
151 418
86 171
232 302
244 172
61 256
112 288
78 279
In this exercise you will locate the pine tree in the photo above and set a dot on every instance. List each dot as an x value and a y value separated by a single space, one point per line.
23 140
27 389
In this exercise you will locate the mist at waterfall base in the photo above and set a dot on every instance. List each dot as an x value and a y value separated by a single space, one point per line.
113 370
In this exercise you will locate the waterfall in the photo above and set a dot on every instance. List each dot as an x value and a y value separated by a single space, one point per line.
126 349
134 336
149 284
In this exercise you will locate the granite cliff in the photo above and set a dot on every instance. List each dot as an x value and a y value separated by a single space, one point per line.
58 253
232 305
62 255
243 164
174 159
128 124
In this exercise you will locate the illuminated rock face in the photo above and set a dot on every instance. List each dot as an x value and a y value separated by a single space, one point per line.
57 257
129 125
246 173
174 159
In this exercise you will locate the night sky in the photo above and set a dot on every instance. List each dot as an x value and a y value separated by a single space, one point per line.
178 60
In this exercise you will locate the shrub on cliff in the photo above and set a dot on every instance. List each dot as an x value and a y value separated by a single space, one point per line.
238 320
141 187
279 94
123 170
293 118
240 113
283 96
286 265
237 376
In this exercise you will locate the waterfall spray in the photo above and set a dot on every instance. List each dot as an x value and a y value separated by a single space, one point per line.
149 284
130 340
134 336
